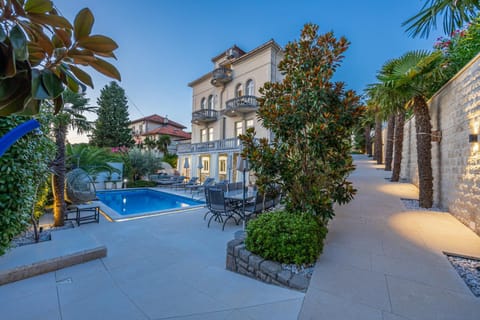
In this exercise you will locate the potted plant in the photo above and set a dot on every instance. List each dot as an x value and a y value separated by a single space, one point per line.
108 181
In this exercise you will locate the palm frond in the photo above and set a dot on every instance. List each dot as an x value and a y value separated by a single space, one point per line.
455 14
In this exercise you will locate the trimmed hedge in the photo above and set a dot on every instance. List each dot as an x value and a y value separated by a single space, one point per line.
286 237
23 168
141 184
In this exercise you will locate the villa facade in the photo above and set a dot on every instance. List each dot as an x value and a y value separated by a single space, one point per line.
155 126
224 105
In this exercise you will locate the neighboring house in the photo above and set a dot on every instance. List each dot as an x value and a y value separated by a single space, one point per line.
224 105
155 126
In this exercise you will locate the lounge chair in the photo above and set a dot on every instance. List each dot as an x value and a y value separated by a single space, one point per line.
172 181
201 187
191 182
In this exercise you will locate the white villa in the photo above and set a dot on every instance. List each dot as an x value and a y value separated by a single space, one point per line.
224 105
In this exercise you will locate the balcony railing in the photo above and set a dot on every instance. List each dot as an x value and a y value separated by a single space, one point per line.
216 145
220 76
242 104
204 116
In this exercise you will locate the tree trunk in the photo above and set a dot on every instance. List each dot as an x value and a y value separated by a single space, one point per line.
424 151
389 145
397 156
378 140
58 179
368 141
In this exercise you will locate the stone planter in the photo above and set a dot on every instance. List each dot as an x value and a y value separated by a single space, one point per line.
242 261
108 185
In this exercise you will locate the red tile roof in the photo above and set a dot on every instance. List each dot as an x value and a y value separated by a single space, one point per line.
169 131
159 119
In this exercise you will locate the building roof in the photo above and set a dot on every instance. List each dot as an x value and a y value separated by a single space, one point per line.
247 55
224 53
159 119
169 131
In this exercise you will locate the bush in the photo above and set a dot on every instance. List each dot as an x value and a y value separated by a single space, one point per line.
22 169
141 184
286 237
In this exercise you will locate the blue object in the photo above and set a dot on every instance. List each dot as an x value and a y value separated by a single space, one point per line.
16 133
126 202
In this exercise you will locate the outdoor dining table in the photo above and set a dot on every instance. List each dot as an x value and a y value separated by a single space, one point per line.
237 197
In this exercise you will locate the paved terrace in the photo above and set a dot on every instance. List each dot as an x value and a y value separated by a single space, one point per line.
380 262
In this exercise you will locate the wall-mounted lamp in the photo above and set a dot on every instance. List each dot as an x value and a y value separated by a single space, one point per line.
472 138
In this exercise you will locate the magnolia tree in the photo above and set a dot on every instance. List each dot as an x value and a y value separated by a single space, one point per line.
40 55
311 118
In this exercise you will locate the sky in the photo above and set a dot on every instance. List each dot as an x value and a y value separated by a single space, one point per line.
165 44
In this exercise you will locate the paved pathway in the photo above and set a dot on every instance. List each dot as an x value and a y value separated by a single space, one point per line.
167 267
384 262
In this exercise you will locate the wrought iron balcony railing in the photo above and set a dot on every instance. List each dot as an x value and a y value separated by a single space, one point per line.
204 116
216 145
220 76
240 105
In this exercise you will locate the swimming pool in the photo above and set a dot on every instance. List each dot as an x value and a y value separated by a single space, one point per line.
138 202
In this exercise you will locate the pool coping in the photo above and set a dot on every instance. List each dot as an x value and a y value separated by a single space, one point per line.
113 216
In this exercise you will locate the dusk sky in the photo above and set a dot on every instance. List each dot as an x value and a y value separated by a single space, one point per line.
163 45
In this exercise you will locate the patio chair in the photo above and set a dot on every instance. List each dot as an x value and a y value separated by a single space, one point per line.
255 207
235 186
219 207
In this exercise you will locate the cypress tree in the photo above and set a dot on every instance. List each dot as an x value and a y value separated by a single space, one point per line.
111 126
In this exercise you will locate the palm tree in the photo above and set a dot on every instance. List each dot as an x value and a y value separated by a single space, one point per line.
92 159
417 75
149 143
70 116
162 144
392 104
455 14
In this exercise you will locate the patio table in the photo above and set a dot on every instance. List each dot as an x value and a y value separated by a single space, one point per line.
237 197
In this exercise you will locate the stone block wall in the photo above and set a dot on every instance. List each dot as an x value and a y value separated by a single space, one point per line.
242 261
455 113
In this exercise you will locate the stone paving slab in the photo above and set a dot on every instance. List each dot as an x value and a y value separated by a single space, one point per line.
382 261
66 248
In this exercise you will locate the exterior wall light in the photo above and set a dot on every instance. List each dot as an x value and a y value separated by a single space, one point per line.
472 138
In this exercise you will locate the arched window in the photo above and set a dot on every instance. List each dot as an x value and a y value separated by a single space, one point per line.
239 90
202 103
210 102
250 88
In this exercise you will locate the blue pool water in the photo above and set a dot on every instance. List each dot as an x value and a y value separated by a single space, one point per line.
127 202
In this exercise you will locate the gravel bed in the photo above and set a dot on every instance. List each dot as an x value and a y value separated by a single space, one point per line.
469 270
28 237
413 204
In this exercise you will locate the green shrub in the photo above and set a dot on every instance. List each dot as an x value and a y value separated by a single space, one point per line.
22 169
141 184
286 237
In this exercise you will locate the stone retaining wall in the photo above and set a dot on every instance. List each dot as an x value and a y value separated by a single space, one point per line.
455 114
242 261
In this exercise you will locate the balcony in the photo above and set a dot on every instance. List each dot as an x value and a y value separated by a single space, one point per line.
221 76
204 116
216 145
241 105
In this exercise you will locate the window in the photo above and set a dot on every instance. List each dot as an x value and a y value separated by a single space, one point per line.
206 165
210 102
250 88
210 134
238 90
238 128
202 103
222 165
250 123
203 135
